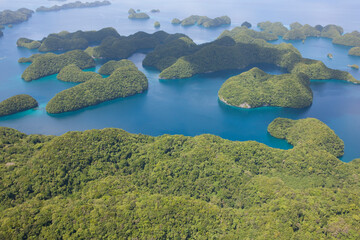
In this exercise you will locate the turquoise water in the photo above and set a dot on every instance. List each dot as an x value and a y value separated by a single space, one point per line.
187 106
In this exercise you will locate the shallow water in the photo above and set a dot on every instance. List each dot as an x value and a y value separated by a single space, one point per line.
186 106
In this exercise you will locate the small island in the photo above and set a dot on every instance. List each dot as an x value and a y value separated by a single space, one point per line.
13 17
155 10
156 24
17 103
355 51
28 43
354 66
255 88
125 81
203 21
330 56
137 15
307 133
246 24
72 73
76 4
1 33
47 64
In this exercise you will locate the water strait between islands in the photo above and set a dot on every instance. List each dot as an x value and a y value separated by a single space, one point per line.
184 106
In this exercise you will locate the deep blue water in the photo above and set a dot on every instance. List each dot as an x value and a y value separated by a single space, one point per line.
187 106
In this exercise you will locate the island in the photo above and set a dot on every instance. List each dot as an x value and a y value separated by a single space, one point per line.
203 21
355 51
332 31
72 5
47 64
137 15
181 186
155 10
156 24
330 56
13 17
28 43
256 88
238 50
65 41
72 73
36 55
246 24
308 133
354 66
125 81
299 32
17 103
1 33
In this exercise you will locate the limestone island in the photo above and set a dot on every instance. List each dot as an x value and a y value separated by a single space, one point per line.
48 64
76 4
330 56
137 15
349 39
355 51
203 21
307 133
125 81
156 24
65 41
28 43
72 73
13 17
276 28
236 49
1 33
256 88
155 11
109 67
17 103
354 66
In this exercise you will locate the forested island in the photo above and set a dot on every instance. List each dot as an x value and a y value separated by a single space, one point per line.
47 64
124 81
17 103
137 15
28 43
236 49
76 4
139 186
14 17
203 21
255 88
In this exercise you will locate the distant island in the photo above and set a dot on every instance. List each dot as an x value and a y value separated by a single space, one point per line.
354 66
47 64
13 17
125 81
246 24
137 15
17 103
156 24
76 4
72 73
155 11
65 41
255 88
355 51
1 33
203 21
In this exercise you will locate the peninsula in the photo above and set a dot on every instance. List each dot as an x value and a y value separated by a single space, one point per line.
13 17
